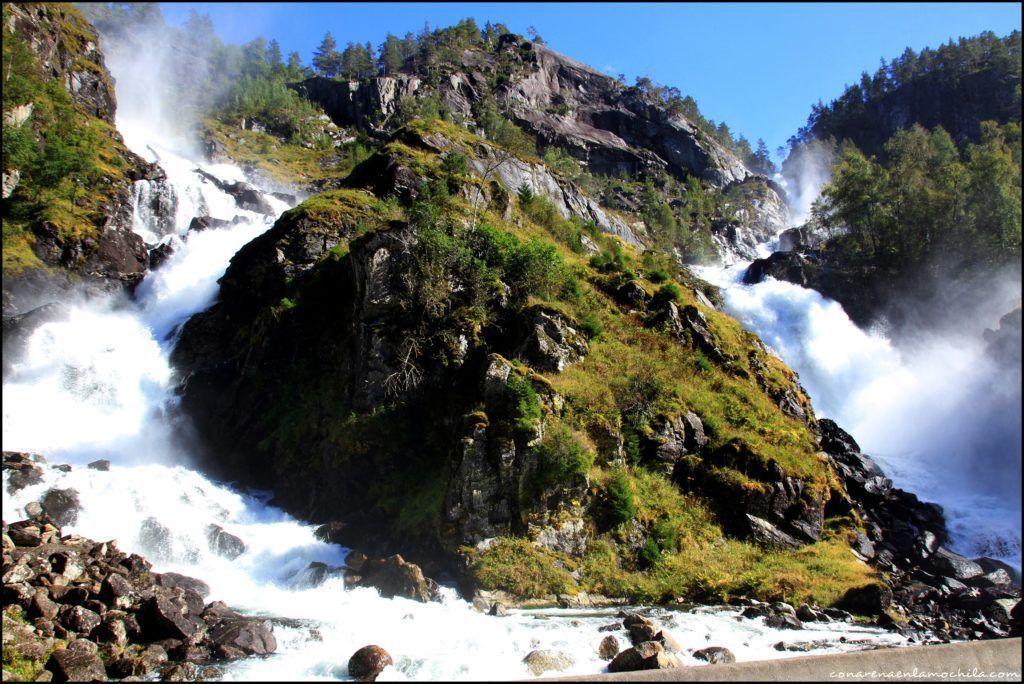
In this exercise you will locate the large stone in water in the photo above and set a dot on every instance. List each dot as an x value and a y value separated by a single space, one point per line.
539 662
368 662
716 655
62 506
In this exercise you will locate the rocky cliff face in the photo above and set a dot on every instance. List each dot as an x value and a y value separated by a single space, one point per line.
611 130
93 243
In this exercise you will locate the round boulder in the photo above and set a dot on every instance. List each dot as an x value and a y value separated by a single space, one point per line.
539 662
368 662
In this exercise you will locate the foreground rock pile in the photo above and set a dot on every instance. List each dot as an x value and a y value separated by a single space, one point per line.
75 609
930 590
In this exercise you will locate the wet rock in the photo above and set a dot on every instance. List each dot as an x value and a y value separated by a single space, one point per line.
355 560
200 223
871 599
783 621
368 662
248 637
223 543
640 632
393 577
498 610
100 464
174 579
23 467
715 655
539 662
649 655
79 662
950 564
180 672
609 647
156 538
160 254
62 506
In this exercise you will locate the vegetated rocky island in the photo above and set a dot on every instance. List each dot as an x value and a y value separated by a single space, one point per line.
473 353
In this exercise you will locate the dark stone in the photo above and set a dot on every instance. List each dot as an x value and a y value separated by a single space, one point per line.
950 564
552 341
79 662
138 660
62 506
79 619
117 591
783 621
368 662
163 618
26 533
101 464
716 655
649 655
160 254
173 579
200 223
641 632
250 637
871 599
223 543
393 576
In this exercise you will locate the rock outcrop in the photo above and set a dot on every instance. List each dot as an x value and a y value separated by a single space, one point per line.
84 610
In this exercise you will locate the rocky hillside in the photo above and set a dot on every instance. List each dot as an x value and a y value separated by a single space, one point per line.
67 208
470 371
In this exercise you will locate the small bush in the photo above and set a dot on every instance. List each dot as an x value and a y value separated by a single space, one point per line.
523 403
669 292
650 554
591 325
455 164
561 459
621 503
657 276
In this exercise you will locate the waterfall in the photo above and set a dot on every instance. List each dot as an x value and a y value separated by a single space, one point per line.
97 384
940 416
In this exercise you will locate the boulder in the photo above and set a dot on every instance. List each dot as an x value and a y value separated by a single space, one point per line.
100 464
243 636
23 467
27 533
200 223
368 662
609 647
223 543
79 619
783 621
62 506
393 576
950 564
138 660
156 538
715 655
539 662
79 662
870 599
649 655
163 618
174 579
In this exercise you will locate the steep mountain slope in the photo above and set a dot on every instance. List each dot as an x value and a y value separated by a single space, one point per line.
67 208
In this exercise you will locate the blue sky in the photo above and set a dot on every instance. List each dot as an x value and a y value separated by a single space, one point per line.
758 67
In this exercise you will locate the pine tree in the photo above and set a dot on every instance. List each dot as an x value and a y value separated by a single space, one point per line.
391 57
326 59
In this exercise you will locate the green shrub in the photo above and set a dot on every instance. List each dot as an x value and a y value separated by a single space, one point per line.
669 292
657 276
591 325
455 164
561 459
622 505
650 554
523 403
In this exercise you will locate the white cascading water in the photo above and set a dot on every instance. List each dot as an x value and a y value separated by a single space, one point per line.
98 385
940 416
